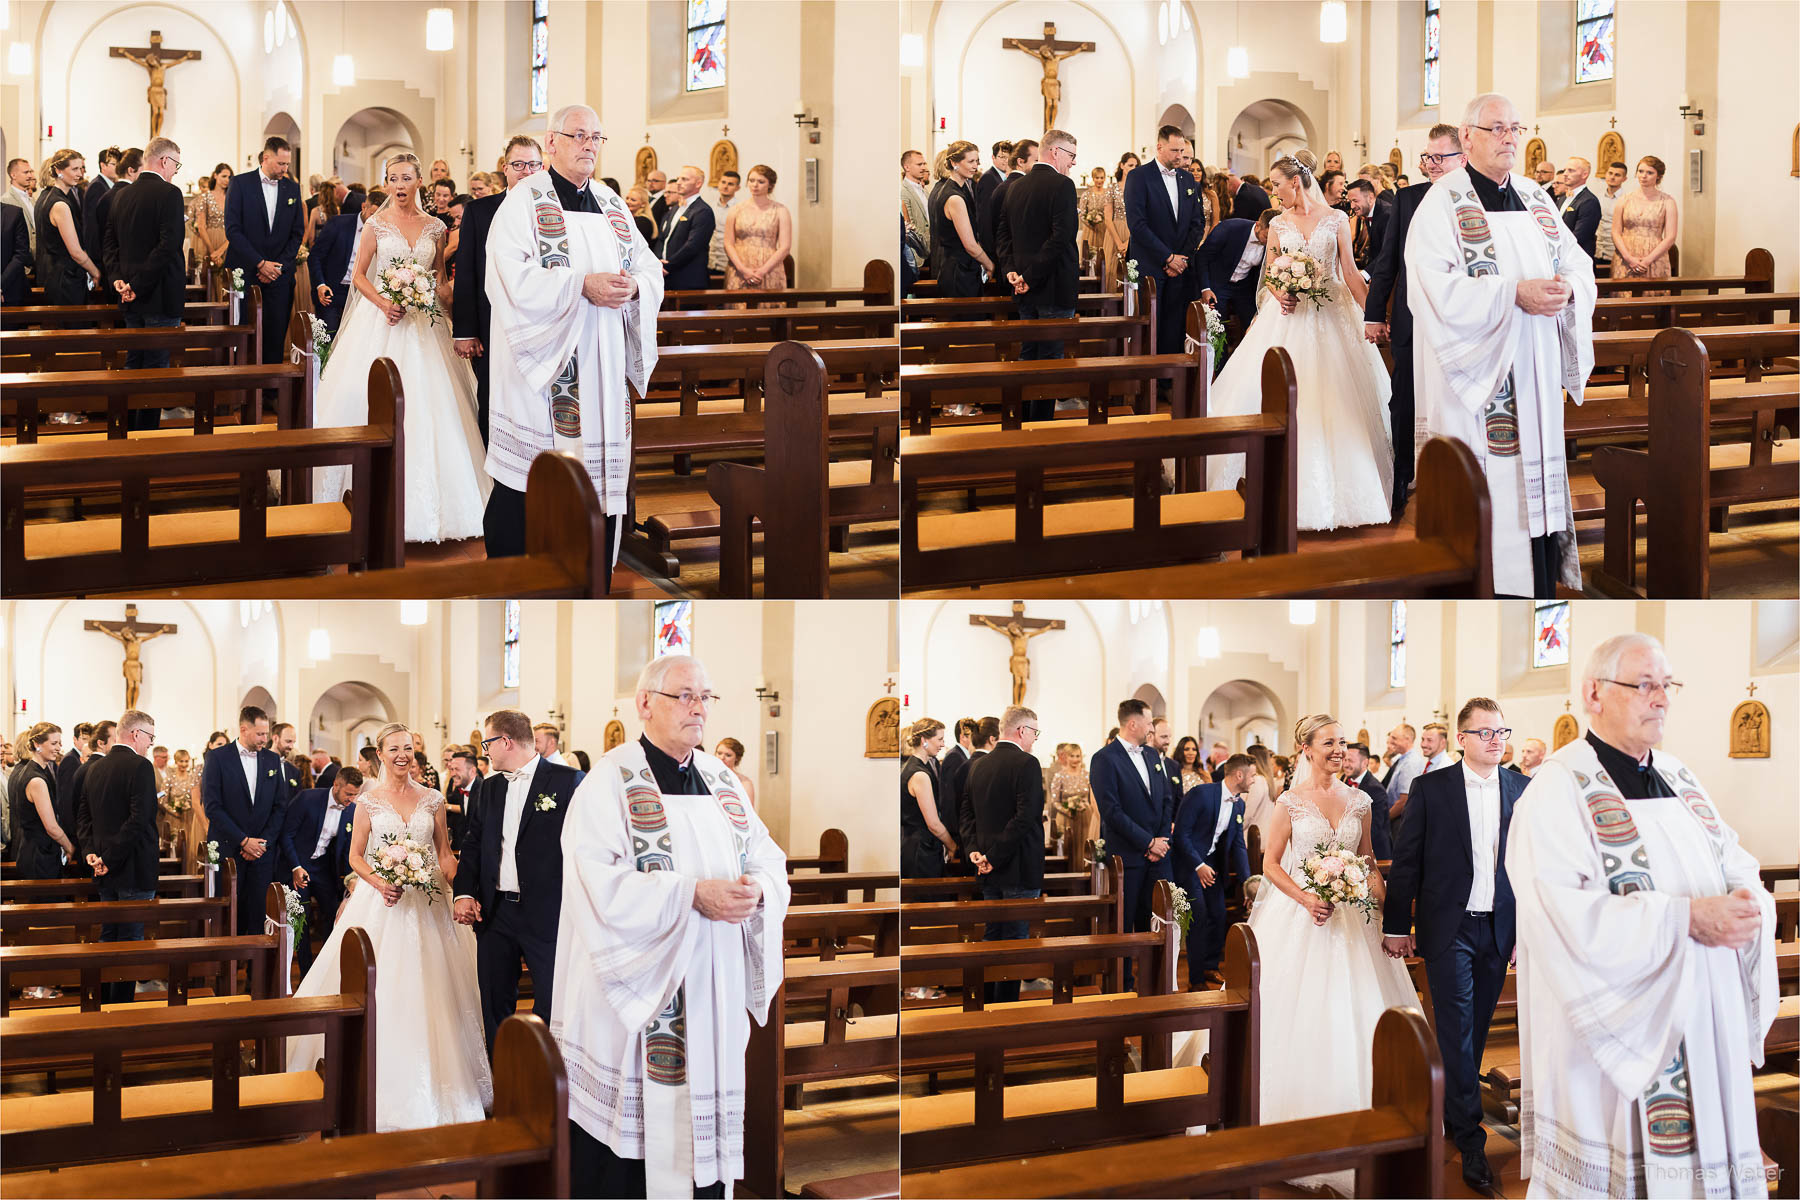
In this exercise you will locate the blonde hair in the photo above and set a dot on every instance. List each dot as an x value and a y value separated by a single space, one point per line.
388 731
34 737
919 730
1308 727
950 154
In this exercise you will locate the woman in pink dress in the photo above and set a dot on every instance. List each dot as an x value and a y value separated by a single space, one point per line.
758 236
1645 224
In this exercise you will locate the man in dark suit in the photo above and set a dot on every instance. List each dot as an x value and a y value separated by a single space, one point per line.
1357 775
97 215
690 236
1209 847
15 255
80 749
264 220
999 167
333 255
115 828
245 800
1228 266
1137 810
953 778
509 882
1387 280
144 227
470 313
1580 207
661 201
1036 237
992 214
1247 200
1449 900
317 836
462 782
1162 210
1006 807
324 769
282 739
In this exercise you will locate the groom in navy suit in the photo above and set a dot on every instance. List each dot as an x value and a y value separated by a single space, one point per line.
1230 265
1448 882
317 838
1209 847
334 249
1137 809
263 223
245 798
1162 210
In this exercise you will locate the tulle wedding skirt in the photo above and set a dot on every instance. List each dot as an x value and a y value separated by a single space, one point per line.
1346 458
446 482
431 1064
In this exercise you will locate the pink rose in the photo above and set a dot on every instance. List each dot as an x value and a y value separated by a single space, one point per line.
1282 263
1332 867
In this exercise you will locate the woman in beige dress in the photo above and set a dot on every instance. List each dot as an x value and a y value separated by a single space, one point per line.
1644 224
730 751
1071 799
758 236
209 217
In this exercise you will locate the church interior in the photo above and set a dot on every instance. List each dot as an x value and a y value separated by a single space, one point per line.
777 90
1695 86
1240 674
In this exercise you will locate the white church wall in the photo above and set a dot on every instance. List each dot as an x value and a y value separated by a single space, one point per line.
1751 122
863 137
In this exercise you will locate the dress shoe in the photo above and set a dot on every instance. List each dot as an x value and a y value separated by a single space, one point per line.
1475 1170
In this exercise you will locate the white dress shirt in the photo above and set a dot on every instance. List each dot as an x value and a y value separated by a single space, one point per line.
334 816
247 760
1171 181
716 259
1603 242
1247 262
271 189
1483 797
1137 760
350 263
518 783
1223 823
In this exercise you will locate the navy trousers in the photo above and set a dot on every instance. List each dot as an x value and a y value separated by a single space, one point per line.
1465 985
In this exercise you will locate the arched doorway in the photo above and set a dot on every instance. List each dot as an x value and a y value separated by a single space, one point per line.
366 139
1264 131
1241 713
258 697
346 717
1178 116
282 125
1149 694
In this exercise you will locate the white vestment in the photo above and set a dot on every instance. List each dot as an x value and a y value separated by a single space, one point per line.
1463 267
538 256
630 947
1611 987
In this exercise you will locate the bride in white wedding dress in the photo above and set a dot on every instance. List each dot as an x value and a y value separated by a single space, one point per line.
1325 978
1346 458
446 481
431 1063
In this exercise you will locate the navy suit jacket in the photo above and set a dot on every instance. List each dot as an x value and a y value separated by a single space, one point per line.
1194 825
537 853
1583 219
1219 255
305 817
1381 837
1387 267
15 243
328 776
470 312
232 814
685 248
1249 202
250 238
1130 814
1433 869
1157 233
333 250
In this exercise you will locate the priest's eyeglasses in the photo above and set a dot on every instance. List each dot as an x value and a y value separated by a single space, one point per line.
1489 736
1648 688
689 699
1518 131
1438 160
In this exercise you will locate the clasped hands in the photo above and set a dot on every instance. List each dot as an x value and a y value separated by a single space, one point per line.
1543 297
728 900
1729 921
1158 849
1019 286
608 289
980 862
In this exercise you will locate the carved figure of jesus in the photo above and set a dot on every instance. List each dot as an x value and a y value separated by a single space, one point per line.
1050 52
132 638
154 61
1018 663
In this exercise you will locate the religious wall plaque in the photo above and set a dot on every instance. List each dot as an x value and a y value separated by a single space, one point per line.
644 164
883 731
1750 729
723 158
615 734
1397 160
1566 730
1612 150
1534 154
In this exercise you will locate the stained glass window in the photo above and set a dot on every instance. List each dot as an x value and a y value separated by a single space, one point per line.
705 44
540 56
1593 40
1433 35
1550 634
1397 644
674 627
509 647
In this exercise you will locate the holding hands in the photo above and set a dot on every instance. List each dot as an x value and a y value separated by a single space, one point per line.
468 910
1375 332
1395 946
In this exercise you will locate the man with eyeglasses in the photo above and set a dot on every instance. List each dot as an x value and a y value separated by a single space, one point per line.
115 827
1448 882
574 290
1035 235
671 946
1503 297
142 248
1647 972
1006 817
470 311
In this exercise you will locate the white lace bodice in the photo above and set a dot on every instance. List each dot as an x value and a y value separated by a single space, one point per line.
1322 246
385 823
1312 829
391 245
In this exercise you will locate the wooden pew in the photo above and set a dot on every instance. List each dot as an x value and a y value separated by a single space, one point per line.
142 550
1115 1104
1396 1146
1092 882
822 930
37 891
1668 312
833 855
791 495
926 387
114 1121
28 398
689 370
987 341
835 888
1758 276
1680 479
705 325
522 1150
35 295
80 920
1451 556
1002 308
76 316
929 289
177 961
85 349
1628 350
1148 528
937 921
877 288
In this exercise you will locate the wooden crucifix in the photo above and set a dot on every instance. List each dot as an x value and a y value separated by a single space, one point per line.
1018 630
154 59
1050 52
132 636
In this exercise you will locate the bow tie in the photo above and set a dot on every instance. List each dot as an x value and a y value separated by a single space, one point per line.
514 776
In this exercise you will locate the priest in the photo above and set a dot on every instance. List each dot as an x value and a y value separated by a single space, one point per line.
1502 300
669 946
574 290
1646 957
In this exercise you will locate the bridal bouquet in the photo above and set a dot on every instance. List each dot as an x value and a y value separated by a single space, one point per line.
406 863
410 286
1297 274
1335 873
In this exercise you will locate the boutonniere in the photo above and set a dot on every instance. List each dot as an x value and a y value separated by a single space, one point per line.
271 774
545 802
290 199
1190 191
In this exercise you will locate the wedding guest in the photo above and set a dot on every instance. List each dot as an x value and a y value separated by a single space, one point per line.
547 738
1137 810
957 256
1531 756
758 236
324 767
993 212
1608 198
1090 208
443 194
1070 798
1247 200
318 831
1645 225
1006 823
952 786
21 187
331 262
61 260
716 259
246 808
1334 184
1405 764
1358 775
689 232
926 841
263 224
1545 175
42 843
1187 763
1229 267
1580 208
730 751
1209 850
1163 212
97 207
915 173
1333 162
1036 240
637 200
1359 198
1434 745
978 193
471 313
656 187
207 217
143 244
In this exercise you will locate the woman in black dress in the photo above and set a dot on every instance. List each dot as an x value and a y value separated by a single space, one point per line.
61 260
42 843
924 840
957 259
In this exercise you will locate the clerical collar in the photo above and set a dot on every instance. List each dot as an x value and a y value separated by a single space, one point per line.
1635 780
675 778
1496 197
573 198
